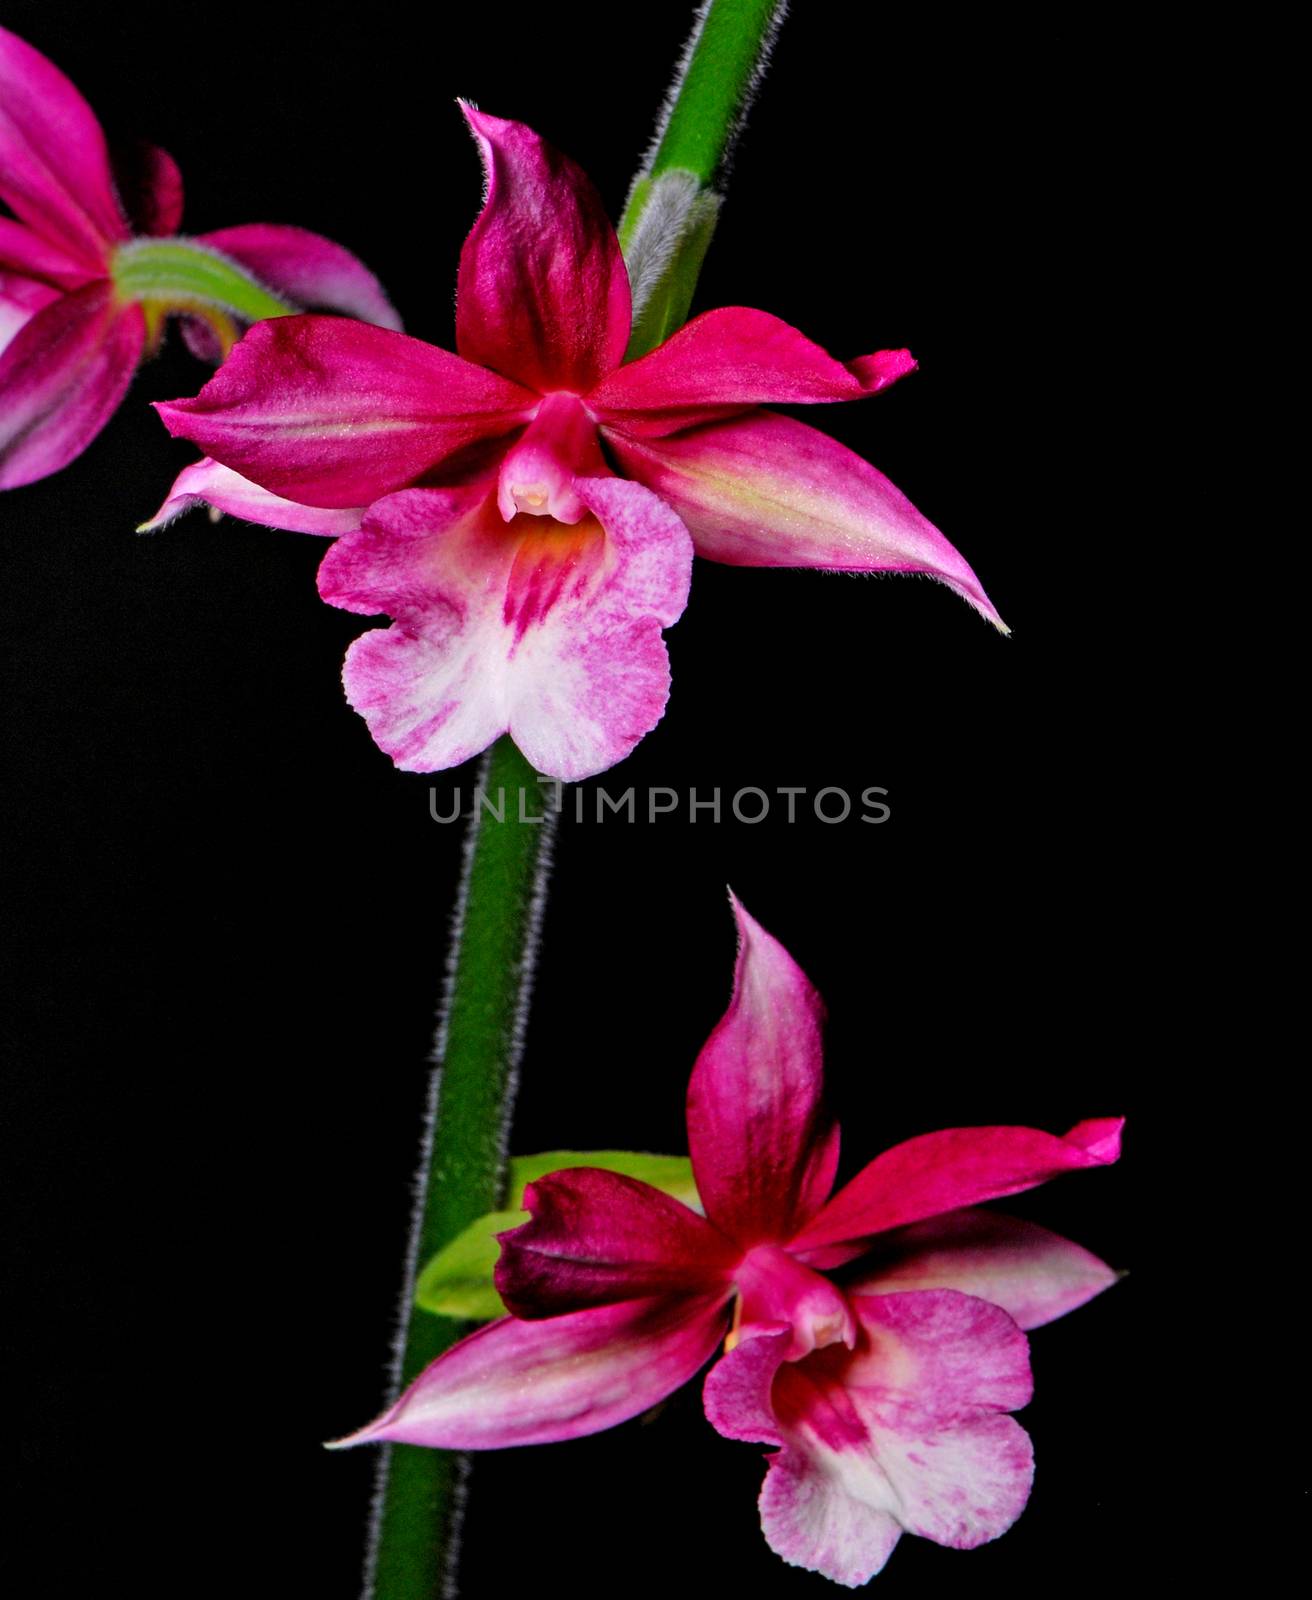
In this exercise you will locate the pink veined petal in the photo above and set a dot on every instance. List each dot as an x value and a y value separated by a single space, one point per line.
597 1237
765 491
332 412
20 300
906 1432
54 167
1033 1274
542 294
304 267
62 378
764 1150
25 251
516 1382
206 483
730 360
150 187
939 1172
552 633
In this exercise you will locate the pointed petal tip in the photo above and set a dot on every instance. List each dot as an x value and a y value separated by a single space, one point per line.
1100 1137
482 124
366 1435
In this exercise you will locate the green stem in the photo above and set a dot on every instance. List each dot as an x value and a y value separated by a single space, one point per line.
727 56
462 1165
673 205
179 274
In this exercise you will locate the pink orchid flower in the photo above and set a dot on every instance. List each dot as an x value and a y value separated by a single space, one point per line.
80 303
527 510
887 1397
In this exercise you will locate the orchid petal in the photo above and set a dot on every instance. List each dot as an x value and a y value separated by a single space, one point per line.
940 1172
765 491
332 412
517 1382
903 1433
149 187
54 166
24 250
727 361
61 379
20 300
1033 1274
597 1237
542 295
205 482
304 267
552 633
764 1151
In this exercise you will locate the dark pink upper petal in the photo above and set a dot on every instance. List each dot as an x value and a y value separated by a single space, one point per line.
150 187
54 167
25 251
61 379
597 1237
517 1382
548 631
939 1172
307 269
1034 1275
764 1150
543 296
727 361
332 412
765 491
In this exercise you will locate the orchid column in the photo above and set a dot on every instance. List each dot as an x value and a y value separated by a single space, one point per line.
666 228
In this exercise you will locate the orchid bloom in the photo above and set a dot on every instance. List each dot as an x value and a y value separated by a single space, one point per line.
886 1397
527 510
85 289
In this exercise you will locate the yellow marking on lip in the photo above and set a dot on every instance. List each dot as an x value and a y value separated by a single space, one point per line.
734 1334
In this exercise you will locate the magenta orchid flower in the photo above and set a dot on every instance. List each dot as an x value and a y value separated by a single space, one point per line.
886 1397
87 280
527 510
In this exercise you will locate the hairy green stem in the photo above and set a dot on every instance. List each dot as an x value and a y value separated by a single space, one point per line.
674 203
722 67
462 1164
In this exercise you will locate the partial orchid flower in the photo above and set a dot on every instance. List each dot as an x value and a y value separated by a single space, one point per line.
91 267
885 1394
527 510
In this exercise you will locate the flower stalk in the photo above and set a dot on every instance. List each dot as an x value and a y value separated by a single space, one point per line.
722 66
413 1536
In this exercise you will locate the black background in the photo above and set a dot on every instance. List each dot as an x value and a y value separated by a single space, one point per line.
230 912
